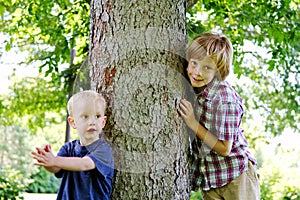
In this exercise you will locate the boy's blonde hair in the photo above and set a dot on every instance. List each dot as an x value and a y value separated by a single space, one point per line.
218 47
84 95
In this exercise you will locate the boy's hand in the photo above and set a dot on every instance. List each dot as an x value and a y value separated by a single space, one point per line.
47 148
186 111
44 157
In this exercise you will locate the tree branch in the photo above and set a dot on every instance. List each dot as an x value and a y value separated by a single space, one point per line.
190 3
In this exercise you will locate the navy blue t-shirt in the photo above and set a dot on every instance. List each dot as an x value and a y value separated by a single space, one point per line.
94 184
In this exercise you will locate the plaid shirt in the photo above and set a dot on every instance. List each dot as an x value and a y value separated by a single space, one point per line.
220 111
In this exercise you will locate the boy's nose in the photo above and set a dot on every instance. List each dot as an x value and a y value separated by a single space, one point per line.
92 120
198 71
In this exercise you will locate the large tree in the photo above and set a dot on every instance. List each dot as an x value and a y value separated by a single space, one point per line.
136 58
50 29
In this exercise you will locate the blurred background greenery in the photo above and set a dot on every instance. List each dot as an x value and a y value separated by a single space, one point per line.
38 75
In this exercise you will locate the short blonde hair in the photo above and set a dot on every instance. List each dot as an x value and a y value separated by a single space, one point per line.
217 46
84 95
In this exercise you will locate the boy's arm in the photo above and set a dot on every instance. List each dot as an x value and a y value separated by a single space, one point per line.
52 169
74 163
222 147
55 163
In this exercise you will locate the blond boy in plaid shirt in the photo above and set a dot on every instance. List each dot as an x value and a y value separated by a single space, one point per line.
221 164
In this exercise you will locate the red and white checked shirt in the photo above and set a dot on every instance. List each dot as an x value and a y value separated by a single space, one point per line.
220 111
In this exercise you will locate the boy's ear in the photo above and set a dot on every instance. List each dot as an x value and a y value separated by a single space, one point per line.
72 122
104 121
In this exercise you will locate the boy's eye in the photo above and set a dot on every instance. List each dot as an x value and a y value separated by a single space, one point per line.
98 116
193 63
85 117
206 67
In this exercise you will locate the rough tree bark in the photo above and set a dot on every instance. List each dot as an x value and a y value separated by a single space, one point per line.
136 58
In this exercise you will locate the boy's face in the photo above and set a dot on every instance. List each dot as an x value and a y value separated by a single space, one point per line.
88 118
201 71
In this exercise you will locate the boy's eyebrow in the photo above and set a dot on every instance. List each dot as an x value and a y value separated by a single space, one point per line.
99 112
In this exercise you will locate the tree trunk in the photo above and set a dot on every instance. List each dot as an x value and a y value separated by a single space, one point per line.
137 51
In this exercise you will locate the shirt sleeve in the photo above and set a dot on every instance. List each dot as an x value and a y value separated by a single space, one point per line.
103 159
228 119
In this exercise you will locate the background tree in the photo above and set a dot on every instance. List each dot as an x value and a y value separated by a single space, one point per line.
136 58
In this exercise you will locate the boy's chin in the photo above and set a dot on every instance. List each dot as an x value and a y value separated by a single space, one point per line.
88 139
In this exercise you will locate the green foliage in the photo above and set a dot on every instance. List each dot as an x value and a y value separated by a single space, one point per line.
291 193
279 167
196 195
47 29
194 26
33 99
43 182
15 149
267 183
15 146
11 184
33 103
270 189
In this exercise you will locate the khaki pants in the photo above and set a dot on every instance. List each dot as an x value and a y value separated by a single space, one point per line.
244 187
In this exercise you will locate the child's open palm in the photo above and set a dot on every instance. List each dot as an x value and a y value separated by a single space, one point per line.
44 157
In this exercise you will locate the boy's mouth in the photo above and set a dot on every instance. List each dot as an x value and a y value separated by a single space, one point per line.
197 80
91 130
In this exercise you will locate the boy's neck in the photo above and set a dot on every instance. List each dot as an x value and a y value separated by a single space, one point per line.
199 90
88 142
